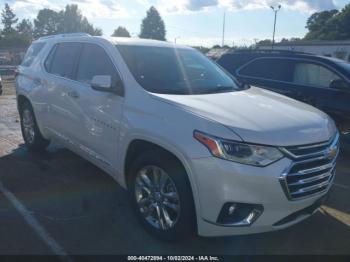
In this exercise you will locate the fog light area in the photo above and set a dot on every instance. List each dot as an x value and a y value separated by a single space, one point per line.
239 214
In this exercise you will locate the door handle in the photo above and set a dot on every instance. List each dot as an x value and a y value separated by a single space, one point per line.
73 94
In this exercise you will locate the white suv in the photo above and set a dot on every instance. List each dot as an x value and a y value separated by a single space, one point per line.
196 150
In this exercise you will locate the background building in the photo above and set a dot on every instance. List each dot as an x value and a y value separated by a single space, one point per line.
338 49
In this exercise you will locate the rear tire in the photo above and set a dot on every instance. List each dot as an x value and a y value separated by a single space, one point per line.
163 201
31 134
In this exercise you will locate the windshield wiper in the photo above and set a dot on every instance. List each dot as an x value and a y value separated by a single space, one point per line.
220 89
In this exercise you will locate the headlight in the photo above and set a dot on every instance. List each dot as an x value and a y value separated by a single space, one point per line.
248 154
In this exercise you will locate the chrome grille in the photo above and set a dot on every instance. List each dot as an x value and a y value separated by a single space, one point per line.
312 171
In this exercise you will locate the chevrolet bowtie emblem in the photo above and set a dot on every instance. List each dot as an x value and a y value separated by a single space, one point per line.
331 152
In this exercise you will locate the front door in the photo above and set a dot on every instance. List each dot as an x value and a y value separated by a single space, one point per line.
274 74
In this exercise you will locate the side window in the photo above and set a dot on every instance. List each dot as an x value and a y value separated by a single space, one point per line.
49 59
95 61
64 59
269 68
31 53
313 75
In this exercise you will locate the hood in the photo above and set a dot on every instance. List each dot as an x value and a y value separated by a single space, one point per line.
260 116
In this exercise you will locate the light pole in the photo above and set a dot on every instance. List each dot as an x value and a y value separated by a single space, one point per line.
176 38
275 10
223 30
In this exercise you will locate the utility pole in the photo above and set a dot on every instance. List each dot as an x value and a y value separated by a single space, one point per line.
223 30
275 10
176 39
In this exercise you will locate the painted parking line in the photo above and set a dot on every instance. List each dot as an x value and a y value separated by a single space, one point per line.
341 186
337 214
35 225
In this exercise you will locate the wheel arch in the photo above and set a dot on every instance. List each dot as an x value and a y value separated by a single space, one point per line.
137 146
21 99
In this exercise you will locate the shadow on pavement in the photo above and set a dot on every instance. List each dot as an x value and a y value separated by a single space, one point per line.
88 213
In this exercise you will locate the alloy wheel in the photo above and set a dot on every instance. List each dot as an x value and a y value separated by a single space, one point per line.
28 126
157 197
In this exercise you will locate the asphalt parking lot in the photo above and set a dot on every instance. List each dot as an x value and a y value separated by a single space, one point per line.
59 203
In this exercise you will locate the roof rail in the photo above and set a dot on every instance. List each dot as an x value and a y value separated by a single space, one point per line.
267 51
64 35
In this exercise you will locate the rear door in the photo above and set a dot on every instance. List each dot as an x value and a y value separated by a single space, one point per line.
60 66
29 78
275 74
97 114
231 62
313 79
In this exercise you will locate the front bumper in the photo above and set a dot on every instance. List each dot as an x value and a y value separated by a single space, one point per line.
220 181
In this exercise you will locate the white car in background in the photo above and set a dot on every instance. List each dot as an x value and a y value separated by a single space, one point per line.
197 151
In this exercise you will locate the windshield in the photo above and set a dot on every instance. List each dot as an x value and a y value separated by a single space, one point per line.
175 71
345 65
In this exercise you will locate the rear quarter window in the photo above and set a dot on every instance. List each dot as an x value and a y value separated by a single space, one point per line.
311 74
31 53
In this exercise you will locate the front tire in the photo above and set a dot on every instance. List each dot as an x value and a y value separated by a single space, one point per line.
161 195
31 134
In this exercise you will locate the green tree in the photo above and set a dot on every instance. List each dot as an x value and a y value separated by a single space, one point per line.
329 25
47 22
69 20
25 28
15 39
121 32
340 24
10 37
152 26
89 28
320 24
265 42
73 22
8 19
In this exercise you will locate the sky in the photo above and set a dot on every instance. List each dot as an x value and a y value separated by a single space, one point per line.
194 22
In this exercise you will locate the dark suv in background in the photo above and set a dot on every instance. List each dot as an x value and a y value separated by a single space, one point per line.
323 82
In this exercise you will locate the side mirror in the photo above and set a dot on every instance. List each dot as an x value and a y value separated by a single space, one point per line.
103 83
340 84
243 83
